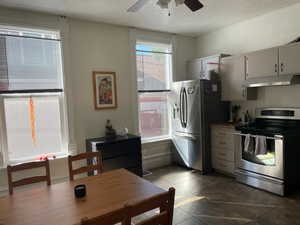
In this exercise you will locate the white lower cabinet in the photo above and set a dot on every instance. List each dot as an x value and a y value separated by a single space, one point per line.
222 147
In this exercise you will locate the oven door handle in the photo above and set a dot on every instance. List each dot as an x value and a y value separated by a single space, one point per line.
276 137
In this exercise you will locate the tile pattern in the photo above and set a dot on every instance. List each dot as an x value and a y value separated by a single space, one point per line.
218 200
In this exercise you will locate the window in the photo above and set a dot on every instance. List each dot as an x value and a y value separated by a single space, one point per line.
24 141
154 72
31 94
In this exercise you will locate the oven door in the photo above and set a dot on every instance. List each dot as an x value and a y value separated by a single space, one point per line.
270 163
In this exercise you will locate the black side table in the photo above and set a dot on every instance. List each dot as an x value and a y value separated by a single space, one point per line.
119 152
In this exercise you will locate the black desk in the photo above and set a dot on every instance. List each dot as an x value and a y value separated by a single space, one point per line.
120 152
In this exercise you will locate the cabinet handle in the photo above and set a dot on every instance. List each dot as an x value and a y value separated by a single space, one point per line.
246 66
281 67
276 66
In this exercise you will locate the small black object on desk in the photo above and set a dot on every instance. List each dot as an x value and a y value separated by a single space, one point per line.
80 191
118 152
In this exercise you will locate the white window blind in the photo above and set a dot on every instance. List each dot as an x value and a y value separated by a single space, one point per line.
32 101
29 62
47 127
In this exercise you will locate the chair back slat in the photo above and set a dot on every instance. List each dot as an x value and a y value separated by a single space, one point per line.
87 155
111 218
158 201
28 180
86 169
164 201
29 165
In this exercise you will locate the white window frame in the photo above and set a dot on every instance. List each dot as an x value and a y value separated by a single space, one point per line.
168 81
4 159
63 122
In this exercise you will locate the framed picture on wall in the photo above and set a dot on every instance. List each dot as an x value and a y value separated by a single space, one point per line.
105 90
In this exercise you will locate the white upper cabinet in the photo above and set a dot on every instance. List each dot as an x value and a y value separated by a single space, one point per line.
289 59
194 69
262 63
232 72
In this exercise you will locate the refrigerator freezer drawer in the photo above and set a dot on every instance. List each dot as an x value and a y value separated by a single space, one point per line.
188 148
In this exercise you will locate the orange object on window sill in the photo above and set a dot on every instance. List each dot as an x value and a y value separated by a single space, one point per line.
44 157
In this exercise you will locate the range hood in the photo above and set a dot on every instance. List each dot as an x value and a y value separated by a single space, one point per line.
279 80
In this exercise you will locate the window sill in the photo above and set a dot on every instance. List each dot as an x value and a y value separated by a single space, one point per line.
156 139
61 156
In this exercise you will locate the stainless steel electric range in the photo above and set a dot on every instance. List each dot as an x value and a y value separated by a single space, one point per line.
268 150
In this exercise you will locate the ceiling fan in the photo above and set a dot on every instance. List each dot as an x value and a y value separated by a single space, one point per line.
193 5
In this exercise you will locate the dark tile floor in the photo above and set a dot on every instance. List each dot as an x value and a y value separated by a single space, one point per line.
218 200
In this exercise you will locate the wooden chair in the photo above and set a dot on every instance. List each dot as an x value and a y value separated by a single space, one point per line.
88 155
164 201
29 180
118 216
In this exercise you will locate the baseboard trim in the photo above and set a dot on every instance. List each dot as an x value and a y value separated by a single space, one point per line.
157 155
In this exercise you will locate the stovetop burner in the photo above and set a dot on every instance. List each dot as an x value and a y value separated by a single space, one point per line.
269 129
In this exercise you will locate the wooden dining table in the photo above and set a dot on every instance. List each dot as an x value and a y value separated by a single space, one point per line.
57 204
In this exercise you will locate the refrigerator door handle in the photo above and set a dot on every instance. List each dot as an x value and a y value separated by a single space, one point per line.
186 108
180 107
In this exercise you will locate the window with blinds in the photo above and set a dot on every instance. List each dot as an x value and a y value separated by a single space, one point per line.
154 73
31 95
30 61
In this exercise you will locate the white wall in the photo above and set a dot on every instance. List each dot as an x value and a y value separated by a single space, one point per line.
99 47
90 46
185 50
273 29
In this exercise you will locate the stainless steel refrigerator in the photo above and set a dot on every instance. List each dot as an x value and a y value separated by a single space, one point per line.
195 105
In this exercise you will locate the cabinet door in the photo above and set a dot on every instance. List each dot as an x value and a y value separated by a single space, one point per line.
262 63
194 69
289 59
232 71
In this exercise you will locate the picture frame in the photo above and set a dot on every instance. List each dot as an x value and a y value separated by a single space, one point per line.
105 90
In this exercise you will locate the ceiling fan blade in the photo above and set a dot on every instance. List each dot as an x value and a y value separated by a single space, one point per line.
193 5
138 5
